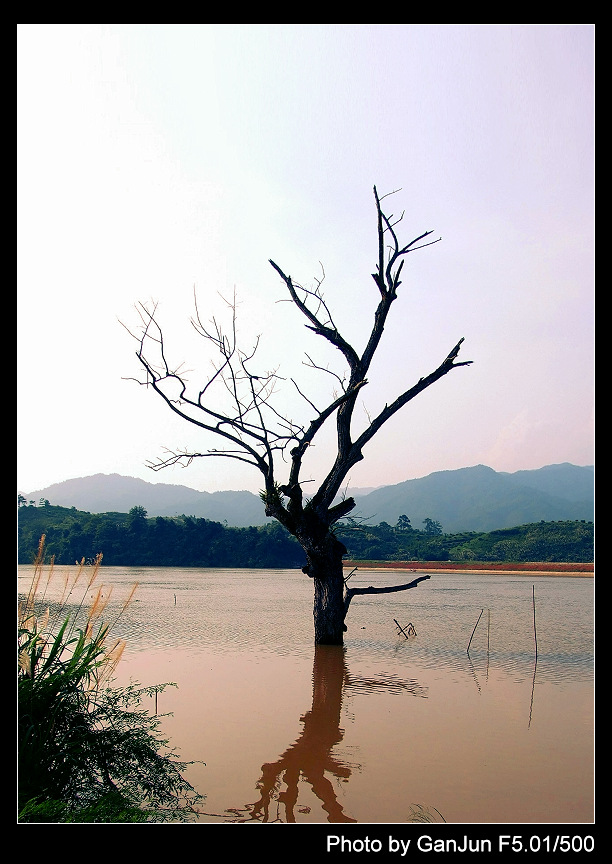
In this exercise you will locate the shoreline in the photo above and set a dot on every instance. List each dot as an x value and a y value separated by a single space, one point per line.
480 568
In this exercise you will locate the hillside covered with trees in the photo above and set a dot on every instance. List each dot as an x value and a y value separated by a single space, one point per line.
134 539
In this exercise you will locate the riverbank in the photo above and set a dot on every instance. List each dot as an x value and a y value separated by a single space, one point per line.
528 568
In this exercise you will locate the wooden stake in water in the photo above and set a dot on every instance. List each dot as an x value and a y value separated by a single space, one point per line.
474 630
535 665
535 635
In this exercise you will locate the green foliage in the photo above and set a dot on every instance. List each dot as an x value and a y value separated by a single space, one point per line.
539 541
271 498
431 527
111 807
135 540
87 751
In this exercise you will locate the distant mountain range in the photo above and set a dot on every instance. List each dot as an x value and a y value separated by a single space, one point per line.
106 493
481 499
467 499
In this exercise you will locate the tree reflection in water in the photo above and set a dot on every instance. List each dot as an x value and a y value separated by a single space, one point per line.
310 757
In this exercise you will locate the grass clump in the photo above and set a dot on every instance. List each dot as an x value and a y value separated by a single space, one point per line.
421 813
88 751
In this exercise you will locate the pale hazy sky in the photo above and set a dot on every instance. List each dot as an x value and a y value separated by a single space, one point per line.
156 157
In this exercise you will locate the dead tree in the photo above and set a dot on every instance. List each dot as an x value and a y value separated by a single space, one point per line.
238 406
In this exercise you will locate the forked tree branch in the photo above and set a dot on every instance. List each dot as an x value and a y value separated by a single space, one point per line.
254 427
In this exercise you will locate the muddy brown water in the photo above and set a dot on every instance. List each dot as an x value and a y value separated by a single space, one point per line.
391 728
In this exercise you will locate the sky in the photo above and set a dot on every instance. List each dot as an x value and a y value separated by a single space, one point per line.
159 160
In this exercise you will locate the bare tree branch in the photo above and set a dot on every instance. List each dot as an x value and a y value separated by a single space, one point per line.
242 406
349 593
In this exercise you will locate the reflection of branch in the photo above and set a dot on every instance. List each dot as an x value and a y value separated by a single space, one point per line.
532 694
388 683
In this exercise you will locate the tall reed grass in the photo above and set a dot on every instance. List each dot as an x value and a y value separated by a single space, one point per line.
88 752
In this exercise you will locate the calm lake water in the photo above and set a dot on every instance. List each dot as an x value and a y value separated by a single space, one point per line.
388 727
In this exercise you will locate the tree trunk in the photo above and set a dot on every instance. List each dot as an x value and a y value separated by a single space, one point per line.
325 568
329 610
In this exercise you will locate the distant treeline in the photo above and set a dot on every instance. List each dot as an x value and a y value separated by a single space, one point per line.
563 541
133 539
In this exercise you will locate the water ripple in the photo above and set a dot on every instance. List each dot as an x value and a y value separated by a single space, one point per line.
242 610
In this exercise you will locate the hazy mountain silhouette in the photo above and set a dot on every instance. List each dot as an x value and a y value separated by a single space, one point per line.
467 499
105 493
481 499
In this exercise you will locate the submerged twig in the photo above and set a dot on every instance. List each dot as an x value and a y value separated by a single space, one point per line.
409 631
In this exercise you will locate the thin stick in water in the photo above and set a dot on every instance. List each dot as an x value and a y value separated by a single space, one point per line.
535 635
474 630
